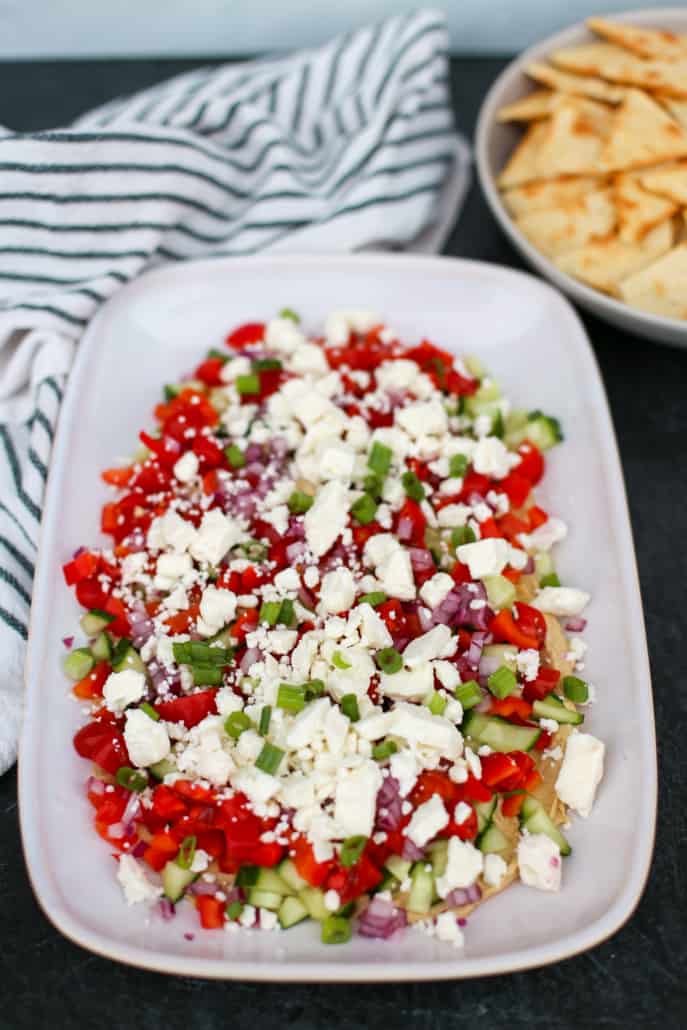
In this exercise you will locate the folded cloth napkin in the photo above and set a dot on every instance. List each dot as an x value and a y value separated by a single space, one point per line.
335 149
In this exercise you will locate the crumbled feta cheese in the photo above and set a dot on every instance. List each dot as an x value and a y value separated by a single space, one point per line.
405 768
581 772
217 533
416 725
447 674
339 324
436 589
408 684
217 608
122 689
453 515
561 600
485 557
426 821
170 569
423 417
464 863
462 812
438 642
327 518
545 536
491 457
135 884
539 862
356 797
550 725
311 577
448 930
338 591
332 901
527 663
186 468
494 870
147 740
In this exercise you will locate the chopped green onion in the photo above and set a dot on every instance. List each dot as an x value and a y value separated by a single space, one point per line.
462 535
236 724
336 930
247 876
503 682
220 355
468 693
286 612
375 598
575 689
269 612
269 758
313 689
364 509
253 550
235 456
389 660
497 426
206 675
288 313
552 424
351 850
187 852
437 703
265 717
290 698
412 486
131 779
234 909
149 710
266 365
379 459
248 384
171 391
373 485
339 662
551 580
457 466
300 502
349 706
196 652
121 649
384 749
79 663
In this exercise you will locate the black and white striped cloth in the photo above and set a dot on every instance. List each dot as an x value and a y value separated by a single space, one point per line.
339 148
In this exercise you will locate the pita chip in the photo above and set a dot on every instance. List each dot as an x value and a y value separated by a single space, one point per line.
539 104
638 209
521 166
581 85
678 109
642 134
651 43
547 193
660 288
670 182
607 61
575 139
604 263
569 227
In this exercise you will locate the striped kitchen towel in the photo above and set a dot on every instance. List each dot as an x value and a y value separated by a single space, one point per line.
344 147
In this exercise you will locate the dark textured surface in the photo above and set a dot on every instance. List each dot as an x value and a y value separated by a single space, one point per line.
637 979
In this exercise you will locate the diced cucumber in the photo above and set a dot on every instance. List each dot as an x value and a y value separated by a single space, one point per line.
498 734
552 708
543 430
270 880
78 663
515 427
175 880
95 621
101 648
438 856
493 841
291 911
313 899
474 366
506 653
534 819
398 867
162 768
500 592
291 877
485 813
543 564
265 899
125 656
422 889
172 390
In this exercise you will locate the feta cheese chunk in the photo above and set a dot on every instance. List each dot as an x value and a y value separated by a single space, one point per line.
561 600
408 684
339 324
338 591
485 557
436 589
448 930
392 565
426 821
217 607
494 870
147 740
186 468
436 643
545 536
135 884
539 862
463 865
491 457
356 798
326 520
217 533
405 768
122 689
416 725
423 418
581 772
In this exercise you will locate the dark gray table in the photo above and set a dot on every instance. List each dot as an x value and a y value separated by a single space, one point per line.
637 979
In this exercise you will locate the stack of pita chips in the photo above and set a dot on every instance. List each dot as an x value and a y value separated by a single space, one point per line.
598 182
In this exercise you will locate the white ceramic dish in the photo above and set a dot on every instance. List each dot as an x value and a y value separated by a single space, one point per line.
529 335
495 142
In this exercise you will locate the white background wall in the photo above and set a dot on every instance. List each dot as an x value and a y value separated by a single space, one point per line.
87 28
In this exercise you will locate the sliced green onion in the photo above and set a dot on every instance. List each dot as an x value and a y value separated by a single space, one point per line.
265 717
253 550
171 390
412 486
351 850
551 580
206 675
463 535
384 749
300 502
376 597
131 779
247 876
313 689
457 466
286 612
379 458
187 851
248 384
339 662
364 509
236 724
336 930
149 710
575 689
349 706
266 365
468 693
121 650
497 426
269 759
79 663
220 355
235 456
389 660
373 485
437 703
290 698
269 612
503 682
288 313
234 910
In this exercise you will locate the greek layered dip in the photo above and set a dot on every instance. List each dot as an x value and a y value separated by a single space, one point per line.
331 673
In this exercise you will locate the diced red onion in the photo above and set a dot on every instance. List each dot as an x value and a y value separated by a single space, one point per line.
389 811
464 896
139 849
67 641
77 552
421 559
489 664
404 530
131 811
411 852
162 677
576 624
295 550
251 656
243 504
296 530
94 785
142 627
279 447
529 566
253 453
199 887
189 937
166 909
306 598
474 652
381 919
235 894
427 619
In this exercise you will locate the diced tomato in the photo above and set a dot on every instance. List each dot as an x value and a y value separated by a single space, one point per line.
517 487
511 526
161 849
461 573
531 462
511 805
543 741
245 335
210 372
536 516
193 791
508 706
209 453
190 709
438 365
117 476
84 566
546 681
392 614
108 518
500 771
531 621
212 841
361 534
302 854
410 524
474 790
211 912
526 632
152 477
92 685
434 781
103 743
112 808
489 528
180 621
270 381
351 883
243 831
120 626
474 483
167 804
467 830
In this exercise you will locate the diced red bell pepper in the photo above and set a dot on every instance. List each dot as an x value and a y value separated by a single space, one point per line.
167 804
189 709
92 685
103 743
511 805
474 483
431 782
508 706
245 335
546 681
467 830
543 741
412 516
210 372
517 488
120 626
246 623
511 526
161 849
528 631
489 528
84 566
361 534
531 462
211 911
302 854
474 790
180 621
352 882
209 453
500 771
536 517
119 476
